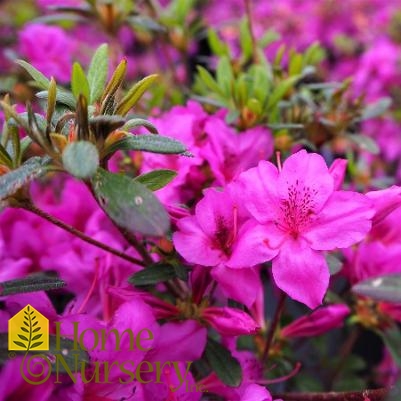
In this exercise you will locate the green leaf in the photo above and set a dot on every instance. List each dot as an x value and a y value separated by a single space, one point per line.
130 204
51 100
134 94
79 83
139 122
280 91
153 274
38 77
246 39
22 337
334 263
81 159
384 288
97 72
64 97
218 47
103 125
376 109
365 143
30 284
144 22
392 340
226 367
156 179
108 96
11 182
148 143
209 81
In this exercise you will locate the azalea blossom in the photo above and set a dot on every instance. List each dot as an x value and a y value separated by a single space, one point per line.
299 214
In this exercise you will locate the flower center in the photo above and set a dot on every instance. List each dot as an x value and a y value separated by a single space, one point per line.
297 211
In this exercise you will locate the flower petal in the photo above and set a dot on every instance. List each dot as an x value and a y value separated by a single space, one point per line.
228 280
301 272
259 191
194 245
255 244
307 174
345 220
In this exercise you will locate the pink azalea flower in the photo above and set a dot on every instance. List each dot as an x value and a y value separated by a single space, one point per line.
210 237
230 321
318 322
298 215
49 49
229 153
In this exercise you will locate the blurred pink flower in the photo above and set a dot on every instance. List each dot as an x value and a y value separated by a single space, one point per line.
318 322
49 49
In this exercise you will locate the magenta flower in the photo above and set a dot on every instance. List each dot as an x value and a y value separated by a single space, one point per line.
298 215
230 321
209 238
49 49
318 322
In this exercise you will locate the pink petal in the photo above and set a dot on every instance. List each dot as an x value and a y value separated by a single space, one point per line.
214 210
255 244
301 272
337 171
344 221
318 322
255 392
306 173
228 280
194 245
385 201
259 191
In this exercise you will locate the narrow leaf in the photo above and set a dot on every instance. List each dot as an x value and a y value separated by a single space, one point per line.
139 122
36 345
30 284
11 182
51 100
156 179
376 109
148 143
154 274
385 288
97 72
134 94
226 367
365 143
22 337
38 77
79 83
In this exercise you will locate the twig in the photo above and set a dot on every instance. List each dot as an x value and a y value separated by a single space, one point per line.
79 234
273 325
371 395
346 349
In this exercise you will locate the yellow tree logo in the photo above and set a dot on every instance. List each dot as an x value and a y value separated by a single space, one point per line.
28 330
